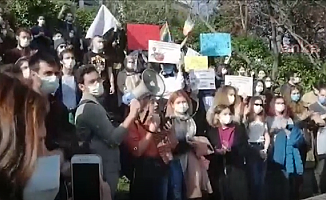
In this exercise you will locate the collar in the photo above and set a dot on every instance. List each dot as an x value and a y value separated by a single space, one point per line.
168 75
89 97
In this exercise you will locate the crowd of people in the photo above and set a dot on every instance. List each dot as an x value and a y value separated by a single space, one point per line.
59 97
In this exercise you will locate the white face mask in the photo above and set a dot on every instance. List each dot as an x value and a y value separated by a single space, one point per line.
268 84
50 84
279 107
26 73
96 89
41 22
181 108
68 63
44 185
258 109
231 99
226 119
259 89
224 71
24 43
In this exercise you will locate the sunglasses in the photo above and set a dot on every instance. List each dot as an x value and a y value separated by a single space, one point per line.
258 104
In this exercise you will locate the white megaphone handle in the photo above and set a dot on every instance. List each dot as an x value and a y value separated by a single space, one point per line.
126 98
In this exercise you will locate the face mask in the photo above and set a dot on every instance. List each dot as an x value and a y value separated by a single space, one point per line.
24 43
44 185
100 46
227 119
279 107
296 80
268 84
181 108
69 64
322 100
41 22
231 99
258 109
168 69
295 97
96 89
224 71
259 89
26 73
50 84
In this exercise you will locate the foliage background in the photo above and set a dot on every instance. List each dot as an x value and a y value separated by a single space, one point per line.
253 44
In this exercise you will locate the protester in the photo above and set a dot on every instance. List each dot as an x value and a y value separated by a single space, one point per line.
293 79
17 167
94 126
259 141
41 35
22 64
68 91
24 37
227 171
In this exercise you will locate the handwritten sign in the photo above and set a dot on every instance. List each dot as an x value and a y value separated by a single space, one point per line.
215 44
163 52
202 79
195 62
138 35
243 84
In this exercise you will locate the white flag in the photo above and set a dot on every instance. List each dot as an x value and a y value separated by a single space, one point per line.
103 22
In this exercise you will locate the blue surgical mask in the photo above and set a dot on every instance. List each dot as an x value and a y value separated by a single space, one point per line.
295 97
322 99
168 69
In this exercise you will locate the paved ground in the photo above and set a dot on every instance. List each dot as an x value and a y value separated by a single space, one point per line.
320 197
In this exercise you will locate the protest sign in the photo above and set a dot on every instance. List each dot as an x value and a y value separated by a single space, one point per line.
215 44
191 52
195 63
139 34
243 84
102 23
202 79
163 52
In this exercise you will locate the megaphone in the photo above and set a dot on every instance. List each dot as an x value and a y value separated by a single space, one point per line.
151 85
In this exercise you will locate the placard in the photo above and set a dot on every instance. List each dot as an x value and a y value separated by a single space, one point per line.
202 79
191 52
243 84
195 63
139 34
163 52
215 44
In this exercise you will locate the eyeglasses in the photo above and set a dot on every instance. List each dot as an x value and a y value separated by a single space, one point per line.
258 104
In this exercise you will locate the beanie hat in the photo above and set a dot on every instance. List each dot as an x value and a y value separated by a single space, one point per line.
58 42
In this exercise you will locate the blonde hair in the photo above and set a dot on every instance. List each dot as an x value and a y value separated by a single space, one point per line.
210 116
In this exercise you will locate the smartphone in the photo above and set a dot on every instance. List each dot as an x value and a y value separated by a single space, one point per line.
86 172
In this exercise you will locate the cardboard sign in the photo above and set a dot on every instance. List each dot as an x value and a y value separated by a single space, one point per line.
138 35
163 52
202 79
243 84
215 44
196 63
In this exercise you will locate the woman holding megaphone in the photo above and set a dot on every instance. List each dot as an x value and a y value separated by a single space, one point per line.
151 143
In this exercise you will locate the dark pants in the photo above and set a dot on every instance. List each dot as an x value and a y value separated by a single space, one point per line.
150 180
283 186
320 176
229 186
256 172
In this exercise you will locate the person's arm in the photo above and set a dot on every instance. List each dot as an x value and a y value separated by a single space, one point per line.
63 9
267 139
111 78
